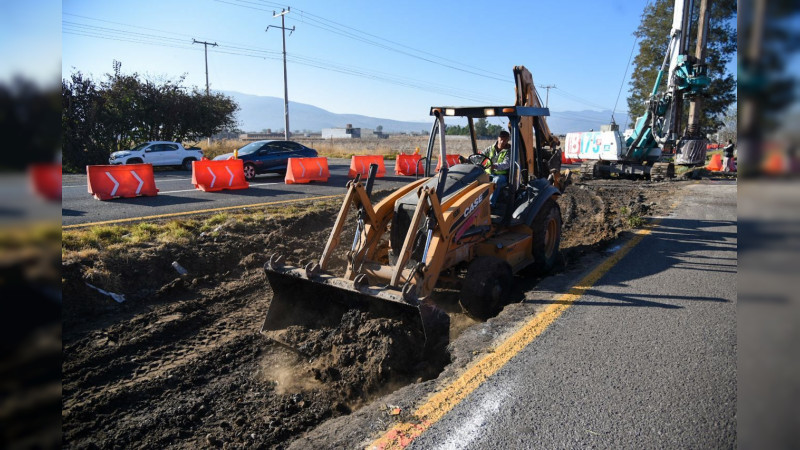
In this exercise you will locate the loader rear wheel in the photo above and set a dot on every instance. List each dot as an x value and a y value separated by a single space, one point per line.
546 237
487 287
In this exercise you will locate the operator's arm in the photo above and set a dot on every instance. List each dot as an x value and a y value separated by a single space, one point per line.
502 165
488 161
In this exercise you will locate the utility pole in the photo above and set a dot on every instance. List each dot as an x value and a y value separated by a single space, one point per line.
283 28
205 44
548 87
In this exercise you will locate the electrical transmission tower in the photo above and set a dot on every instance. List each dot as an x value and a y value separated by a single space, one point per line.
283 28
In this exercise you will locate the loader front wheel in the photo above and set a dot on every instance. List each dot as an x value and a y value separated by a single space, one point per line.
546 237
487 287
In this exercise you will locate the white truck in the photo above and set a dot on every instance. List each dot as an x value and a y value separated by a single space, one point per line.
158 153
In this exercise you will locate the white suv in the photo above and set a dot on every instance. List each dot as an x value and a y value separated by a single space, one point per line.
158 153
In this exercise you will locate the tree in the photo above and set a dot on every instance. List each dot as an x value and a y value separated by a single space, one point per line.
481 128
493 130
122 110
728 129
28 123
653 34
456 130
84 122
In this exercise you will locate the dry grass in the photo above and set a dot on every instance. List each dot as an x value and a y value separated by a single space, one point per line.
117 237
345 148
13 238
83 243
633 220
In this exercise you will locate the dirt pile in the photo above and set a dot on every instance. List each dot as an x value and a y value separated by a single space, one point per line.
181 362
360 355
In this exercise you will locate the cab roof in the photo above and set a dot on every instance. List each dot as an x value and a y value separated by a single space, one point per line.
490 111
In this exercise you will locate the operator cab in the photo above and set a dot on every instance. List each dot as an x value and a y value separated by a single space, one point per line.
530 161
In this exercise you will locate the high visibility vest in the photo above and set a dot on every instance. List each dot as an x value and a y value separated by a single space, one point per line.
496 157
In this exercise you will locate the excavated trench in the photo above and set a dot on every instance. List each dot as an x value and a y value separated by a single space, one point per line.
181 363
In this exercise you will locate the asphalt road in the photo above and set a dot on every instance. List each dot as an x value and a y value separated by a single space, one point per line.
645 359
177 194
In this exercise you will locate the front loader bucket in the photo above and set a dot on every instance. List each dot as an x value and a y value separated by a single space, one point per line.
313 299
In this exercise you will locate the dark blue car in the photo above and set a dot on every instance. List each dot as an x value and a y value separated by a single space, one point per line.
269 156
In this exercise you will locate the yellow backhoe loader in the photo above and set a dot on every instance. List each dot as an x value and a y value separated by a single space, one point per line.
437 227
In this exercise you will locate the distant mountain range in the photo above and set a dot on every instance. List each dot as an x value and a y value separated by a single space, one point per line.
261 112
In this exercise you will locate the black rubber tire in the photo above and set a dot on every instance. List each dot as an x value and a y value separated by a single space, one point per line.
249 172
133 161
187 164
546 237
487 287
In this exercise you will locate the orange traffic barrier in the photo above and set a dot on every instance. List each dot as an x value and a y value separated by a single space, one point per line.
406 164
213 175
452 160
360 165
716 163
45 180
304 170
775 164
570 159
130 180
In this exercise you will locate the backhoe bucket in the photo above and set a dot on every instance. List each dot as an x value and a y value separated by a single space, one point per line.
313 299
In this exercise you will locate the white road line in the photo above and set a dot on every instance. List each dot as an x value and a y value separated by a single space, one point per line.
198 190
469 430
159 181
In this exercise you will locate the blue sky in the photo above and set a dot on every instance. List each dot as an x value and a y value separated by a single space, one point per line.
30 40
383 59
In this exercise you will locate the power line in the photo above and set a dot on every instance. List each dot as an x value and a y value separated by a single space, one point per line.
315 63
159 41
249 51
94 28
579 99
627 66
228 44
572 116
123 39
342 30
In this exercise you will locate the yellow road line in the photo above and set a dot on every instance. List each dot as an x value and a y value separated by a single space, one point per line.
197 211
402 434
